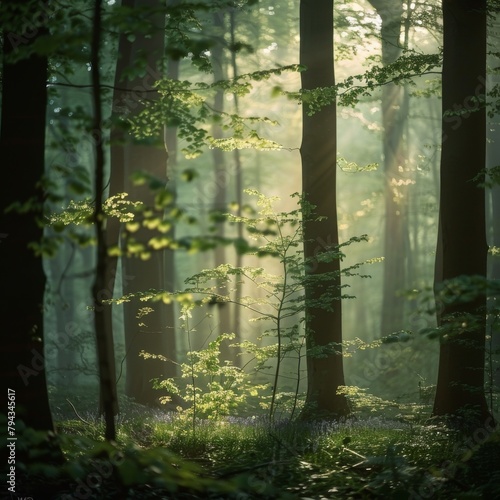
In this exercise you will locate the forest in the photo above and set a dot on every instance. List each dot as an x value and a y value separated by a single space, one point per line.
250 249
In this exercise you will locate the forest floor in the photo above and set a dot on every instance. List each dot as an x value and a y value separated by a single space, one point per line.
160 455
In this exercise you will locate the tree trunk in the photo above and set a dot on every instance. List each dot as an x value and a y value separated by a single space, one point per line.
64 312
149 333
221 175
104 334
394 115
171 146
238 168
493 223
462 249
22 145
318 152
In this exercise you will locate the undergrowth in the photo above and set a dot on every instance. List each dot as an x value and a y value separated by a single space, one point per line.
159 456
386 449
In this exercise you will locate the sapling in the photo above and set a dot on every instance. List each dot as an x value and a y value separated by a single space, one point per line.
278 235
276 301
214 390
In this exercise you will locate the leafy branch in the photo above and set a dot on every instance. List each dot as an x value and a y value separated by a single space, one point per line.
352 89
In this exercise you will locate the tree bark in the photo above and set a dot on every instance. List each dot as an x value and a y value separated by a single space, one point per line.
151 332
319 159
104 334
462 248
22 145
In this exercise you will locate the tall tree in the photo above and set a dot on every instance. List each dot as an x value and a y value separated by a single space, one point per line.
64 286
493 221
462 248
238 179
319 159
104 334
22 148
171 146
394 115
221 174
22 143
147 333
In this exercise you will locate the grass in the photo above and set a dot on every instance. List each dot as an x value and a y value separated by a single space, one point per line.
159 456
366 458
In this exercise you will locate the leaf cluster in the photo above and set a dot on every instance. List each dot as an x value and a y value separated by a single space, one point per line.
216 390
185 105
354 88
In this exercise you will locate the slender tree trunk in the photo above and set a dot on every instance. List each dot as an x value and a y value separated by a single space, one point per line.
493 223
104 335
171 146
64 312
462 249
221 176
318 151
239 189
119 110
116 170
60 299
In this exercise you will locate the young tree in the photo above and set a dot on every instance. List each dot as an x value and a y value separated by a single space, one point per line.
104 334
462 248
319 160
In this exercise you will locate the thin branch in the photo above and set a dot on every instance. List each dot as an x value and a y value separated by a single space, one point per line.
76 413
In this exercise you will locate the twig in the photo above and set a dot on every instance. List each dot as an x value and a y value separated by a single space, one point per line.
76 413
